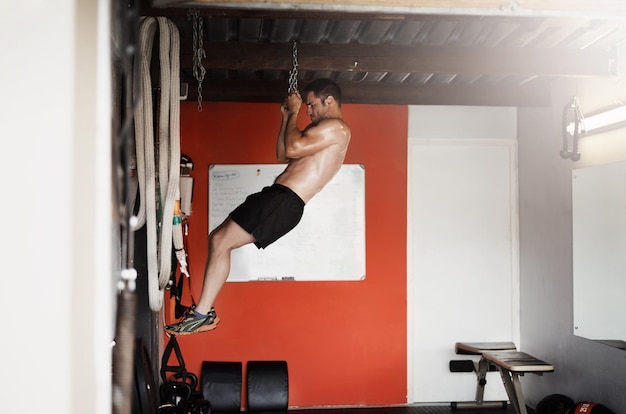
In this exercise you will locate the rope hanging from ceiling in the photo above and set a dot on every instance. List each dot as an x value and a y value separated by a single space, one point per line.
157 208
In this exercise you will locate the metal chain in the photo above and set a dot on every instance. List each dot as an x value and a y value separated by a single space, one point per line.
293 73
198 52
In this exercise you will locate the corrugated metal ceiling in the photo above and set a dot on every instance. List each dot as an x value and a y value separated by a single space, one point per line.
413 59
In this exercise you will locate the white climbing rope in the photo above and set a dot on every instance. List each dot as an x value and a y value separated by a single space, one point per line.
159 238
144 144
169 140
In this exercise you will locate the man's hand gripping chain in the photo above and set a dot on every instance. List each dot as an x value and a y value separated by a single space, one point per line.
292 103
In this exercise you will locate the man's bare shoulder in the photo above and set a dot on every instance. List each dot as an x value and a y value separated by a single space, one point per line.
333 121
335 125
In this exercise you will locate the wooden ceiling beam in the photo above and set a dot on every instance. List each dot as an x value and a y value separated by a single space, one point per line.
376 93
591 8
179 9
406 59
146 9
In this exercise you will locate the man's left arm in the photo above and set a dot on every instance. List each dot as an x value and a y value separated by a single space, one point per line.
289 125
280 139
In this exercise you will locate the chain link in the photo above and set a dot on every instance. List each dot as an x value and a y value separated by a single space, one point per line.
293 73
198 52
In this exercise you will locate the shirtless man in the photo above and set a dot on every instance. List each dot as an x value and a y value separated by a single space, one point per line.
313 157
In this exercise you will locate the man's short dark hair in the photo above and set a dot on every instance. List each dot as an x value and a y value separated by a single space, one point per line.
323 88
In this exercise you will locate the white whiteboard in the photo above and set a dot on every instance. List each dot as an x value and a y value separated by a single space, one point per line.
327 244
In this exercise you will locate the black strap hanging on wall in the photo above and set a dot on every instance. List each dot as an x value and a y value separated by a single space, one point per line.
178 392
178 370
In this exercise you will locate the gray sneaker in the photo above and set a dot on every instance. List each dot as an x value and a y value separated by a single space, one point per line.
190 323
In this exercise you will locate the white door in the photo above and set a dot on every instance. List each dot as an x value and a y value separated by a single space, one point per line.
463 276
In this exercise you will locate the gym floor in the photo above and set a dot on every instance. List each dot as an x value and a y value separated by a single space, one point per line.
410 409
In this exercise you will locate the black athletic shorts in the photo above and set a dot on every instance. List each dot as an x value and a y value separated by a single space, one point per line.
270 214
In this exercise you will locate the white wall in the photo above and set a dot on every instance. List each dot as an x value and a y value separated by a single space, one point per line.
55 129
585 370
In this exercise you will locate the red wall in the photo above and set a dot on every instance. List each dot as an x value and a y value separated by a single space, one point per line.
344 342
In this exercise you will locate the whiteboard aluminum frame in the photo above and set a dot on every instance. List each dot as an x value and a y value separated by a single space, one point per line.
327 245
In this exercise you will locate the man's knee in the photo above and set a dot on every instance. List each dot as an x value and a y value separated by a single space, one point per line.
229 236
217 239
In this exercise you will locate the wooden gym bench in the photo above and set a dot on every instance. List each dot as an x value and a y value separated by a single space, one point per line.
511 364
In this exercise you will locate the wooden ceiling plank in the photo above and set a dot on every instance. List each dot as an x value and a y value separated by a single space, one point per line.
408 59
602 8
376 93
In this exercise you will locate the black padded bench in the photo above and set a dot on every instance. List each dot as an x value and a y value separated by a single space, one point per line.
480 368
511 364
